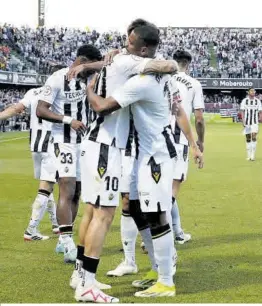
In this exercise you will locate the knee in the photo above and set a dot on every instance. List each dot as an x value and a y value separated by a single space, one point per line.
104 217
66 190
156 219
248 138
125 201
254 138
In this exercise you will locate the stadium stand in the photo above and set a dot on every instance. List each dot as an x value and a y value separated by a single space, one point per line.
217 52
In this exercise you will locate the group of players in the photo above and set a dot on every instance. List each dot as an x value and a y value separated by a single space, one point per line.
109 128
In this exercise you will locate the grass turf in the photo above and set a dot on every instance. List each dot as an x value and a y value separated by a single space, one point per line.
220 206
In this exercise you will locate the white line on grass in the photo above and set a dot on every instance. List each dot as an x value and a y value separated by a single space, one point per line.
12 139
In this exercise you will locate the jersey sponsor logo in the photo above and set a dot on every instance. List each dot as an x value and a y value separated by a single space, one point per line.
47 90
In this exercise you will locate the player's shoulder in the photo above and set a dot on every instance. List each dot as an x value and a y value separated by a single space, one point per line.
61 73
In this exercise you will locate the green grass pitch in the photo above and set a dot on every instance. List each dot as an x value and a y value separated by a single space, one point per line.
221 206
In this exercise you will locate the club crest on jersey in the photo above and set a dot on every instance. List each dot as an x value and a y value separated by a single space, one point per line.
147 202
101 171
57 151
156 176
111 196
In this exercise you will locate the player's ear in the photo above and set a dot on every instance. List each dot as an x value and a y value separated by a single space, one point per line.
144 51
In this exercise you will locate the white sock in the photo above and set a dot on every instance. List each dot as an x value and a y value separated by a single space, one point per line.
129 233
88 278
249 149
176 223
38 210
163 254
147 239
51 208
254 147
174 252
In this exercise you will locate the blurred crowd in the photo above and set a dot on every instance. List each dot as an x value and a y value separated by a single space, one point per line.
216 52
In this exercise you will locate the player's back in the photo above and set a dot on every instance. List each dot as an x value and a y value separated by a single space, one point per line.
191 94
151 118
113 129
40 130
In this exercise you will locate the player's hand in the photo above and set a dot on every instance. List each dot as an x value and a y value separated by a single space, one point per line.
110 56
92 83
78 126
200 146
74 71
198 156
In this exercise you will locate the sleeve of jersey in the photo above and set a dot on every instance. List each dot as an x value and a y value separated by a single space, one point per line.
259 106
135 64
198 102
50 90
130 93
26 101
242 107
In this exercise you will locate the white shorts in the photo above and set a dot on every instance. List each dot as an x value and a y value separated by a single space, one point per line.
250 129
68 160
151 183
181 163
126 170
44 166
101 173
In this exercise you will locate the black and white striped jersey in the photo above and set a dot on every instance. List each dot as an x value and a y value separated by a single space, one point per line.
113 129
68 99
191 95
40 130
251 109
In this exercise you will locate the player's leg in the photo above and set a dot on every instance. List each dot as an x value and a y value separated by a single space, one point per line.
253 146
248 146
51 209
179 176
155 199
38 210
101 173
128 227
129 233
66 164
46 175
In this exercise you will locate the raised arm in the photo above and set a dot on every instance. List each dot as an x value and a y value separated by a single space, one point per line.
88 67
160 66
12 111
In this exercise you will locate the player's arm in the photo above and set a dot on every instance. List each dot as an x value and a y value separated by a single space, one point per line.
102 106
260 111
83 68
48 96
131 92
12 111
160 66
199 106
242 110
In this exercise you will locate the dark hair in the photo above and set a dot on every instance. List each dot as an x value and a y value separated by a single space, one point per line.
250 88
57 67
148 35
138 23
90 52
182 56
